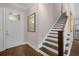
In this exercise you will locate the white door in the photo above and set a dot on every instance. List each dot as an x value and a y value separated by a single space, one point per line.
14 28
1 29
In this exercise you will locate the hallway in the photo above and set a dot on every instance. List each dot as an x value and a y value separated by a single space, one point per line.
75 48
46 28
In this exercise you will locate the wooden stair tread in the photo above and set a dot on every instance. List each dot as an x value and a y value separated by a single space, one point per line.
48 52
52 36
61 22
56 28
51 40
51 46
55 39
53 33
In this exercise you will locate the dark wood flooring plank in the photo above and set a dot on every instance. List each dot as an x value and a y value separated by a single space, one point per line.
23 50
75 48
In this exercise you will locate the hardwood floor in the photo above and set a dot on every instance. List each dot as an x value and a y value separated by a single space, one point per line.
26 50
23 50
75 48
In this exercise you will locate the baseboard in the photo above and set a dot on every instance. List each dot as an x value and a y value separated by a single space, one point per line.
2 49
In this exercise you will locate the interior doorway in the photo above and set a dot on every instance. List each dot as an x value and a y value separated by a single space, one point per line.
11 28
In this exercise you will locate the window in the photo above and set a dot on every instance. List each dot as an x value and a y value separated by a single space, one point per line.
14 16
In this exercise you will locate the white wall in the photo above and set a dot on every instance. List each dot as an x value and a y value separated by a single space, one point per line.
57 10
76 8
32 37
46 19
1 29
76 21
46 16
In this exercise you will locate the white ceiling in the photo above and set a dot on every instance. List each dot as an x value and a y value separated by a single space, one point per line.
24 6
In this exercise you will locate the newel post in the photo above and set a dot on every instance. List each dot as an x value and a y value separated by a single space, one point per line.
60 43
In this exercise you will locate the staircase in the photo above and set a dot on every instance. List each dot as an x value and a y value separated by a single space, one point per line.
50 44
